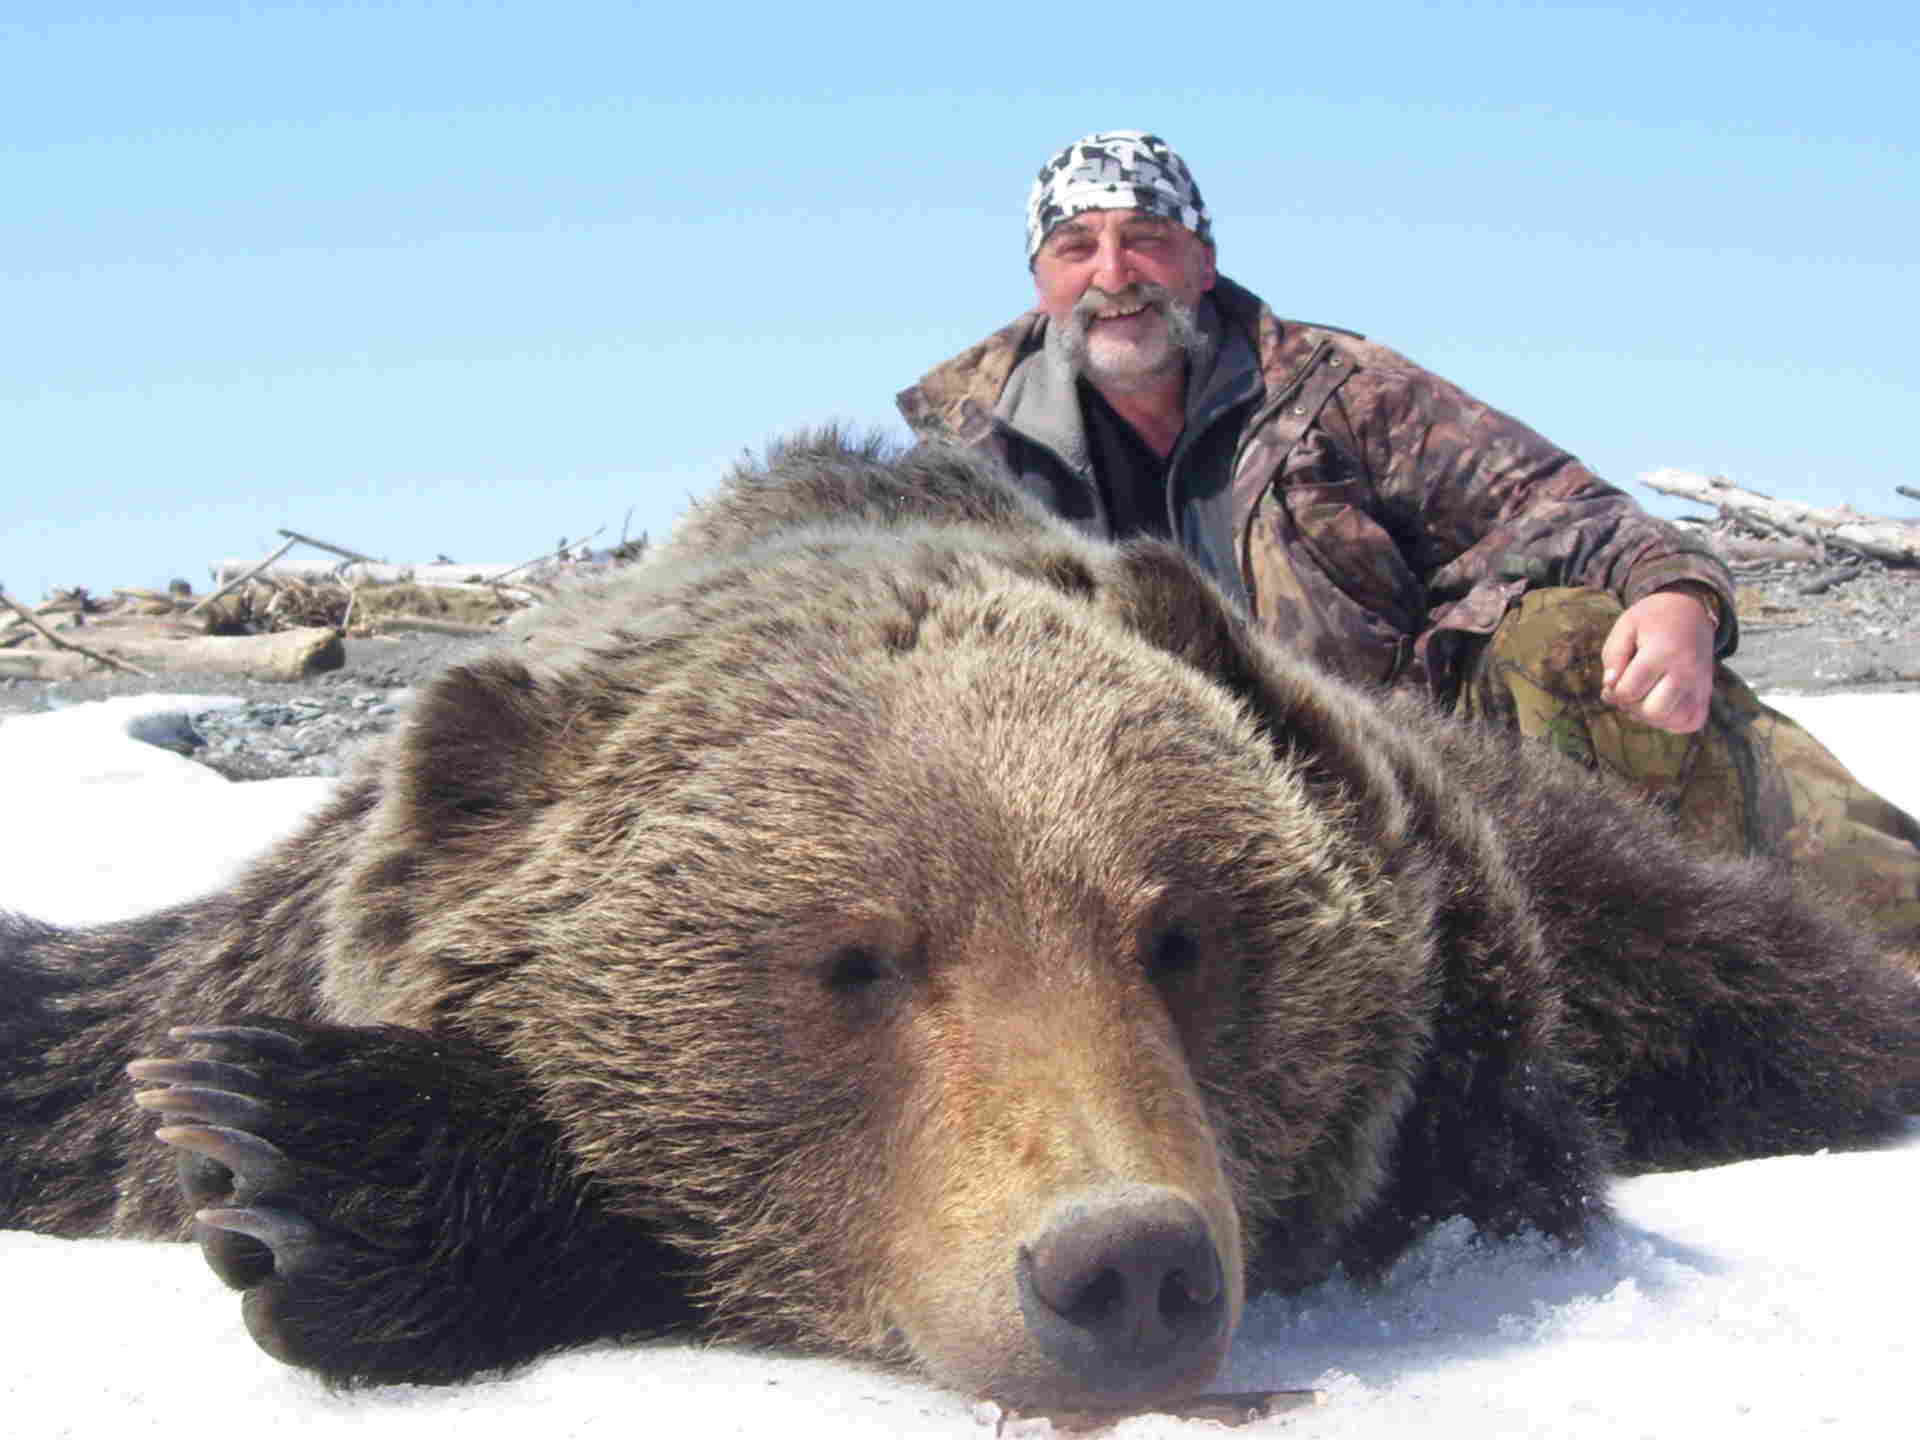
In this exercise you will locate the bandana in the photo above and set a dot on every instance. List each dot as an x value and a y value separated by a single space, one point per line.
1114 170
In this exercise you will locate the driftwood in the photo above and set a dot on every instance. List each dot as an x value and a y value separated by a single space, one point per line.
565 545
240 580
426 625
293 568
1827 579
65 602
286 655
154 602
153 627
353 567
1740 550
282 655
1894 541
296 538
63 644
43 665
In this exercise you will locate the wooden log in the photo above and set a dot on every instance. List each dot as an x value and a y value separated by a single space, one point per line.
427 625
554 554
240 580
1893 541
147 602
1739 550
60 643
340 550
1827 579
45 665
358 572
285 655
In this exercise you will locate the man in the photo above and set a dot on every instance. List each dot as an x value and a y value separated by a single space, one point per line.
1383 521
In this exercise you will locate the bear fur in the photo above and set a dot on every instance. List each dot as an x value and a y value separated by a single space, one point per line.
893 924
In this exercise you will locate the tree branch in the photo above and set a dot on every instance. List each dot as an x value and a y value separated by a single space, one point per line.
61 644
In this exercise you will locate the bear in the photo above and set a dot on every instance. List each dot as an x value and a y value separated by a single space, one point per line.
891 923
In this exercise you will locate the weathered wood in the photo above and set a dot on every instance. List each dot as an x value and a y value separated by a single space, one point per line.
283 655
1739 550
160 646
1893 541
426 625
565 545
340 550
1827 579
63 644
294 568
148 602
240 580
44 665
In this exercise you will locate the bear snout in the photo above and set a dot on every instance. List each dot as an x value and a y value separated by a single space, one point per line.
1124 1291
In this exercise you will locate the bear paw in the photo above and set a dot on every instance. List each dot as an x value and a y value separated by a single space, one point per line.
319 1164
393 1205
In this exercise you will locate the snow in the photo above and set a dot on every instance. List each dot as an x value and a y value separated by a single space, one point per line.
115 826
1772 1298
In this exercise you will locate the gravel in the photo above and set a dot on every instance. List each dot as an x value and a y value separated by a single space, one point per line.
313 734
1811 628
269 730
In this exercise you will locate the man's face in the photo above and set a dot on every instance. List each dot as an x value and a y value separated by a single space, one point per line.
1120 288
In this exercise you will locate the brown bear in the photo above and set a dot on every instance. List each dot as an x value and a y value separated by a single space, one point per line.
893 924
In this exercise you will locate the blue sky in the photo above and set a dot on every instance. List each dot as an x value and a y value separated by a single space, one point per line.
434 277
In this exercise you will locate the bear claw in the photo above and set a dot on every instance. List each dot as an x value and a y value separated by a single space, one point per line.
223 1108
214 1074
275 1043
316 1170
292 1240
257 1165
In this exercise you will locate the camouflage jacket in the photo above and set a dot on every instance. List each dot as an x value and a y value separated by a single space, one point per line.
1362 509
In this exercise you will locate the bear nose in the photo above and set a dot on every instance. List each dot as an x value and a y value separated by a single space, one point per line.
1124 1291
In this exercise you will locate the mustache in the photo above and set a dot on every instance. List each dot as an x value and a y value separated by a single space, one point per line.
1070 340
1097 303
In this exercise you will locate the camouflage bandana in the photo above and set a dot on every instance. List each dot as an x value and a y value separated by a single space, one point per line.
1114 170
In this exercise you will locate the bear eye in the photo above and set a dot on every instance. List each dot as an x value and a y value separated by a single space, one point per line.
854 970
1174 952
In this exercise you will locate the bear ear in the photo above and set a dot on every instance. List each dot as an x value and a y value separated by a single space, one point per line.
474 750
826 477
1164 599
1336 734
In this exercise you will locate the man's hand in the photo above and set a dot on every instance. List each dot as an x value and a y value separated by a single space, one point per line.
1657 664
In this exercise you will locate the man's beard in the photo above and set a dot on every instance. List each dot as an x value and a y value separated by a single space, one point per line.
1118 365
